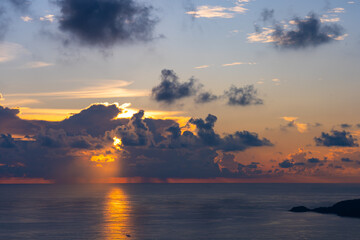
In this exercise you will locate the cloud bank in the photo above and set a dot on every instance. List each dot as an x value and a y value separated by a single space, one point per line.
96 143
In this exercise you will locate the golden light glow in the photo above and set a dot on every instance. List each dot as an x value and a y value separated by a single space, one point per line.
117 215
46 114
301 127
117 143
129 112
102 159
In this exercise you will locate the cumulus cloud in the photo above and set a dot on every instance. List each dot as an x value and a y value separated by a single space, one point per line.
106 23
336 138
205 97
10 123
307 32
242 96
95 141
310 31
240 141
170 89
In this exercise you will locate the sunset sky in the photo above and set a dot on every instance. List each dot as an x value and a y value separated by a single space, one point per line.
179 91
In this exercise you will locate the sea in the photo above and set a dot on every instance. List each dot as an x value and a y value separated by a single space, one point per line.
174 211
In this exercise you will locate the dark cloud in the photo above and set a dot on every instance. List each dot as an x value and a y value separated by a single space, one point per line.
10 123
286 164
313 160
299 164
205 130
136 132
182 153
308 32
206 97
346 160
345 125
170 89
240 141
292 164
94 120
336 138
267 14
237 141
106 23
242 96
75 147
6 141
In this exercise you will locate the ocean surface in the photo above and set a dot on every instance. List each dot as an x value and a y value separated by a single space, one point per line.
174 211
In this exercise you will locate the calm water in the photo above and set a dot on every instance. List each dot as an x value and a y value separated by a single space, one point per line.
173 211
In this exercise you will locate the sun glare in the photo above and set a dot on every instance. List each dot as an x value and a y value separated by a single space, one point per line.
117 143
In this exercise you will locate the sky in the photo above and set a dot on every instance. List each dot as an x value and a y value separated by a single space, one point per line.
179 91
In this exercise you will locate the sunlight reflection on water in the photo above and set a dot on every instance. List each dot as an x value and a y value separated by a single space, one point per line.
117 215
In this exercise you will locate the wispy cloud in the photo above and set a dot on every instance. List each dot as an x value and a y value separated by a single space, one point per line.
49 17
301 127
37 64
337 10
207 11
326 18
202 66
265 36
112 89
18 102
238 63
9 51
211 12
342 37
26 18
